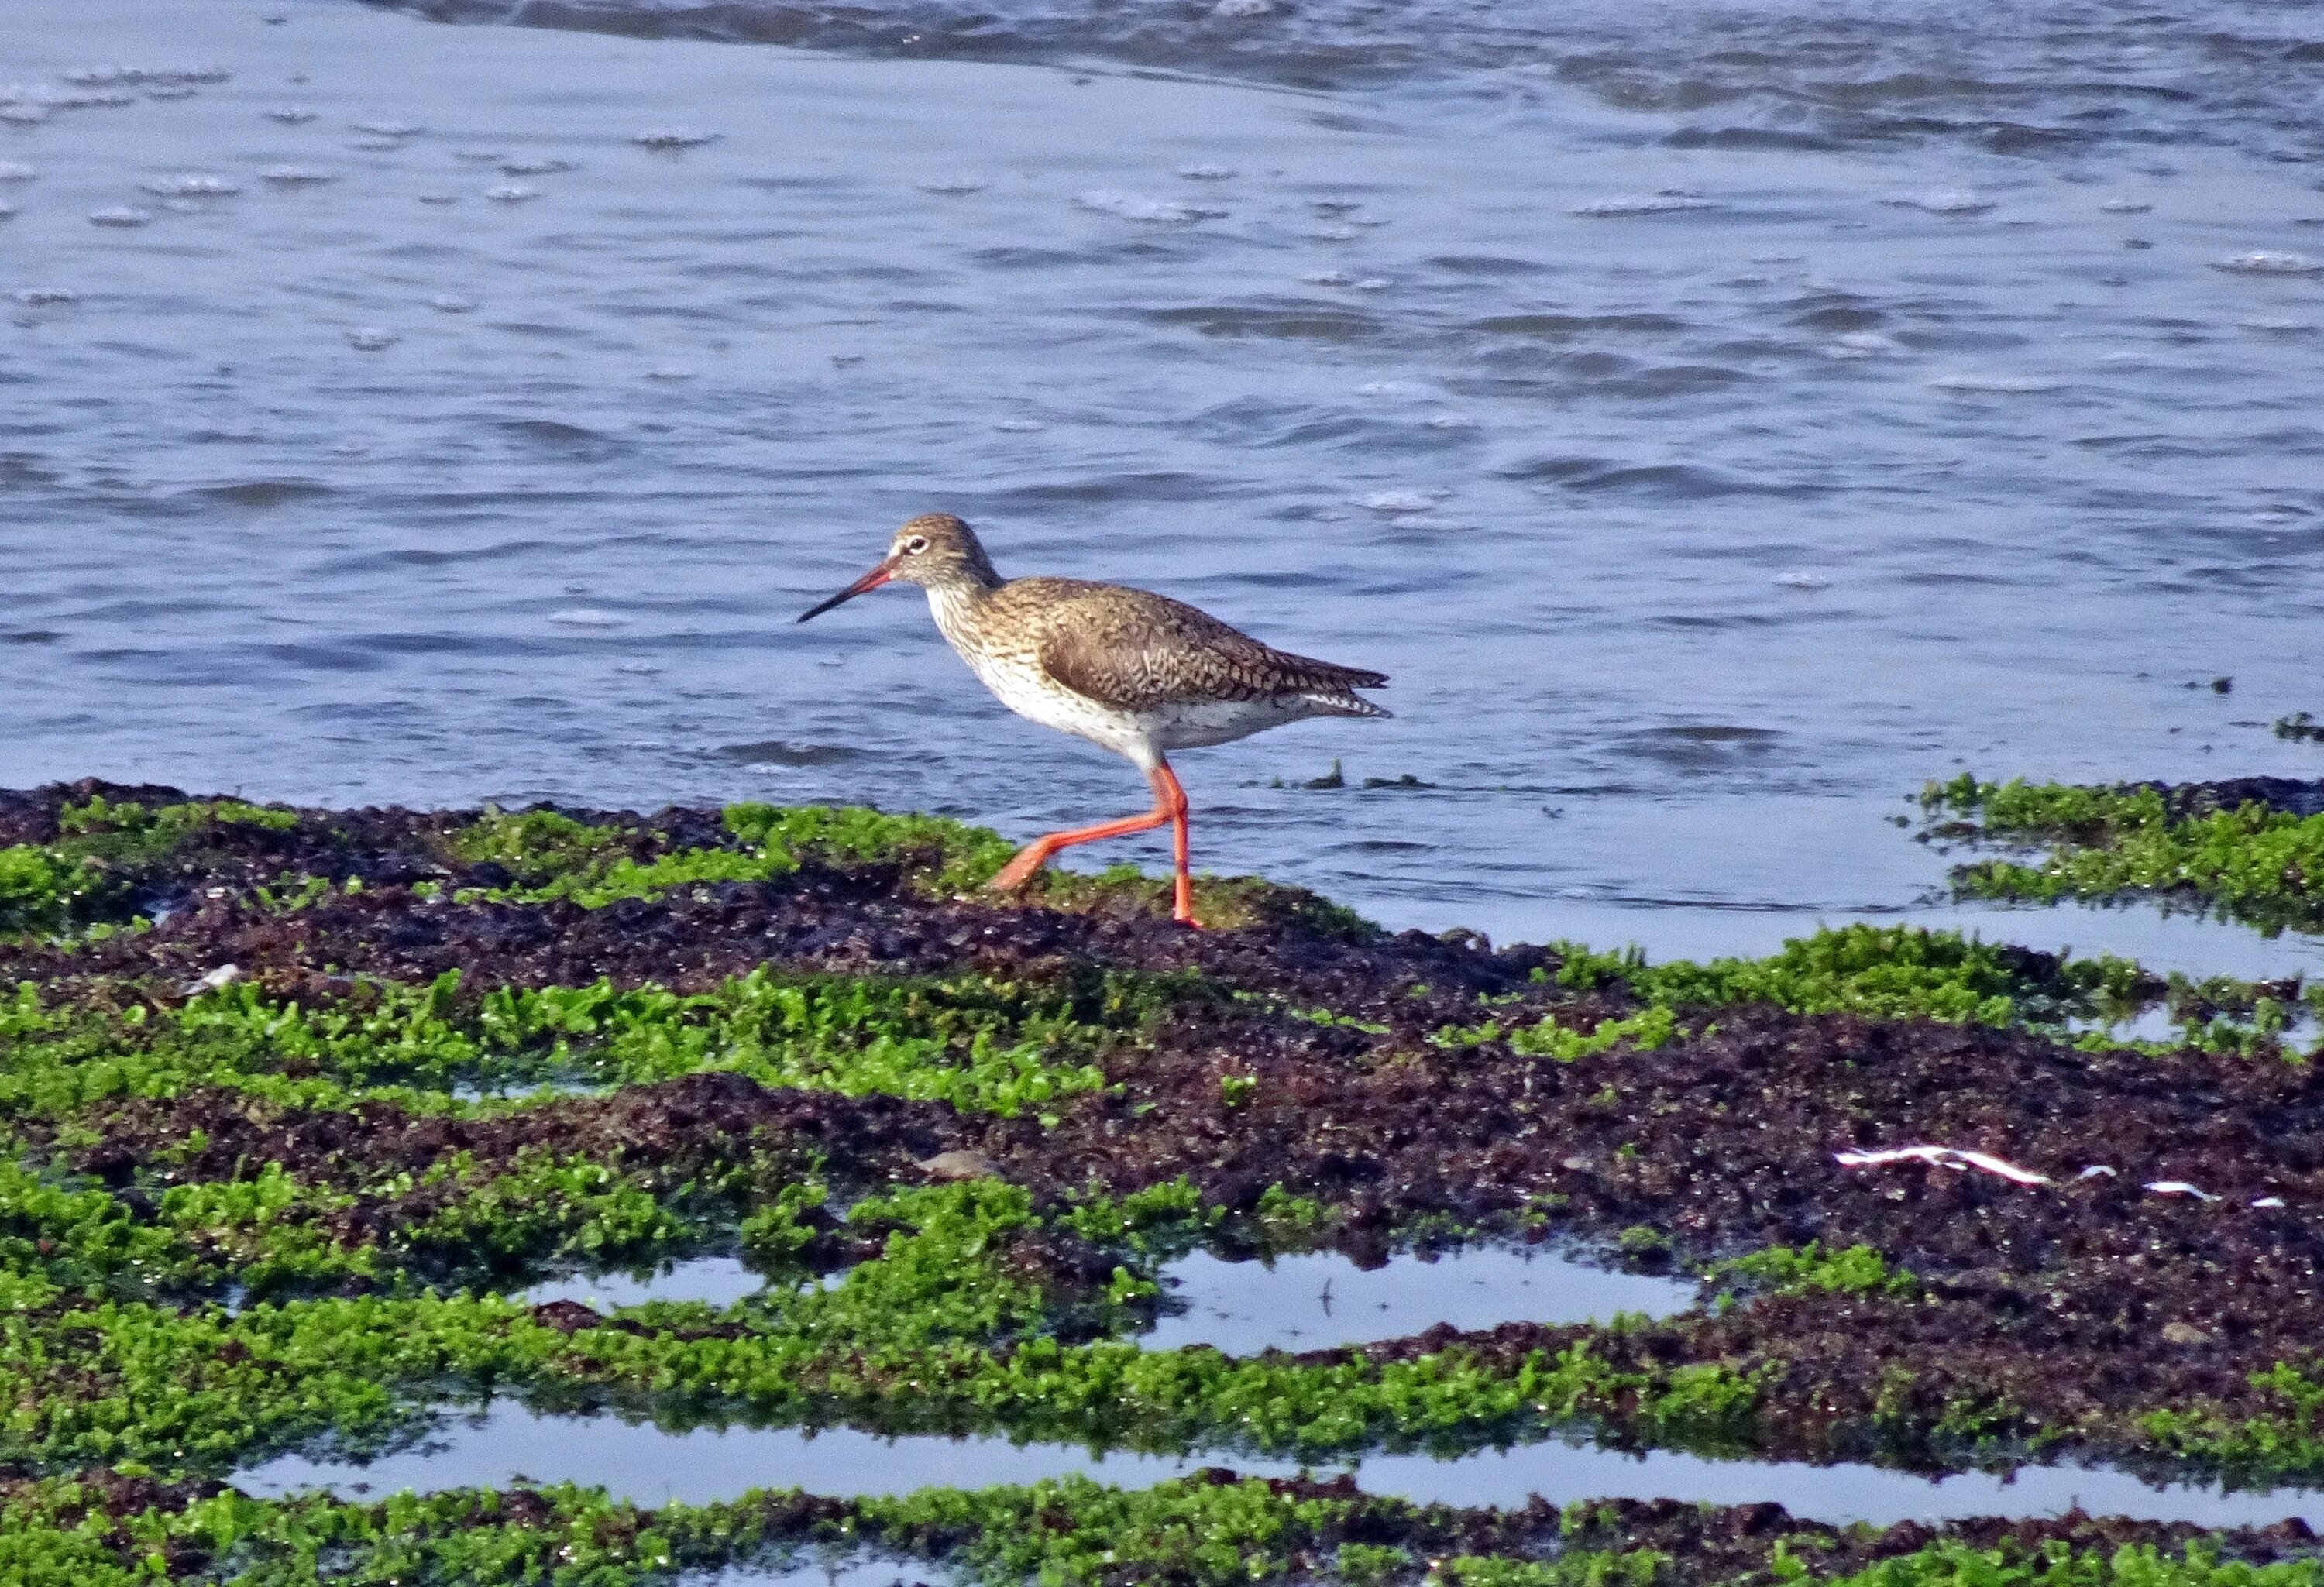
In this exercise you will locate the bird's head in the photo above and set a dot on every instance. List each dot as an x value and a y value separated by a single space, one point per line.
934 551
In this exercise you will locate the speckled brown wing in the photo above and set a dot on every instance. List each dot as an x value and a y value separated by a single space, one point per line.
1135 650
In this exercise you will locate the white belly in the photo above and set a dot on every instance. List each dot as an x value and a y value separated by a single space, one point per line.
1024 689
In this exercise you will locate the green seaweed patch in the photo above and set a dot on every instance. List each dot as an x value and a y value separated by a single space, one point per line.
1557 1038
195 1391
1808 1270
1211 1529
106 851
1914 972
2252 863
980 1044
1905 971
549 855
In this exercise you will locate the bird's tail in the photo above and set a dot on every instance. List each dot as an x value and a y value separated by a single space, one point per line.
1343 702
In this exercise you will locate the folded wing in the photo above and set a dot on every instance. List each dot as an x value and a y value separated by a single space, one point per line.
1135 650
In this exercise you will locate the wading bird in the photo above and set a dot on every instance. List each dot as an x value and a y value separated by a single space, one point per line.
1139 674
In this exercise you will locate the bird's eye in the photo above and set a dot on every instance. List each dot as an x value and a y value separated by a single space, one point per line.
917 544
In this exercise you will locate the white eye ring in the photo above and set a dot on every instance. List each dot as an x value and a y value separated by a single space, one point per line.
917 544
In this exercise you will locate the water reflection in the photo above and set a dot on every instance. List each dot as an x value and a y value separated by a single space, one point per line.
1314 1300
651 1467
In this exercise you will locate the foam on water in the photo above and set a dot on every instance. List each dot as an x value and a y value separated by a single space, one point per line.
2269 261
1137 207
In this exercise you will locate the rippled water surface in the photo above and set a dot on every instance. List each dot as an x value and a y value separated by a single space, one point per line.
1718 420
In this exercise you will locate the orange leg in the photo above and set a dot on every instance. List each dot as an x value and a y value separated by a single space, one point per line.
1169 805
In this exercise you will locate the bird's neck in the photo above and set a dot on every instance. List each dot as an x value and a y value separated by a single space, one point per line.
955 601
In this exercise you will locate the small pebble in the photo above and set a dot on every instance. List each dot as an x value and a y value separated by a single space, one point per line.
947 1167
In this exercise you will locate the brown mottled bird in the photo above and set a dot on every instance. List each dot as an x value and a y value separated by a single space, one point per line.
1138 673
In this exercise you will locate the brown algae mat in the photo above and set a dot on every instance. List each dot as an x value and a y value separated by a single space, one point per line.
299 1099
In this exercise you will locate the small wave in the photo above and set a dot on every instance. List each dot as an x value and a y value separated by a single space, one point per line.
1136 207
264 493
1943 201
191 187
1574 324
587 617
1311 321
1862 344
120 215
2269 261
775 751
1977 380
1668 201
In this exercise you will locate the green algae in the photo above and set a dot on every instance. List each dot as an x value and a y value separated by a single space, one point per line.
950 1327
1917 972
1207 1531
1785 1270
2252 863
102 850
980 1044
981 1306
550 855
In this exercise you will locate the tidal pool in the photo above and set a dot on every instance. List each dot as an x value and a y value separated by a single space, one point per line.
1318 1299
650 1466
718 1281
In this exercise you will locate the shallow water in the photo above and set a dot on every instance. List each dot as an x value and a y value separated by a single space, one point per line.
1717 421
652 1467
717 1281
1315 1300
837 1573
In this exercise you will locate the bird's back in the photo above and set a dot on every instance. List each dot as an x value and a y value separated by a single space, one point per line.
1134 650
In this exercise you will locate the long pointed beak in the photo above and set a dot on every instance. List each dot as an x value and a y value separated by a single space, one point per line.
870 581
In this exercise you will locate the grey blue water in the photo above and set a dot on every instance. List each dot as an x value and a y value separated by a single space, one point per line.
1718 420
